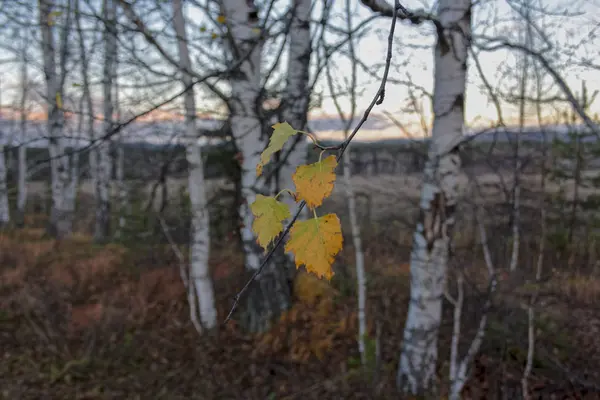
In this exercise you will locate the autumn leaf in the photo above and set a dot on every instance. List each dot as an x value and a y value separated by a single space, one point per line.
59 103
52 16
221 19
281 133
269 215
315 243
314 182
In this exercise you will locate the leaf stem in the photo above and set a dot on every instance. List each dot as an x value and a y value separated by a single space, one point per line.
286 190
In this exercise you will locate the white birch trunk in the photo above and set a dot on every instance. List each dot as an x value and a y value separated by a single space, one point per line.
60 218
459 370
245 122
359 258
122 192
22 152
431 245
22 183
104 162
93 168
350 196
71 190
4 211
199 283
270 294
531 309
296 97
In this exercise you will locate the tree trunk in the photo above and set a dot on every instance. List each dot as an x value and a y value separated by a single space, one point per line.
296 97
122 192
93 153
104 171
4 211
431 245
22 152
61 219
200 283
270 294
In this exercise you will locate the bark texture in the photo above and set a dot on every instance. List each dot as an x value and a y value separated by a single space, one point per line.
431 243
4 211
22 152
104 160
296 97
200 283
270 294
61 217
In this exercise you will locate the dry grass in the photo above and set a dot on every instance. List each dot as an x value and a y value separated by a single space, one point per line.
135 319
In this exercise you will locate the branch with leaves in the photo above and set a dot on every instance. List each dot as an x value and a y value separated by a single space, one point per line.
327 228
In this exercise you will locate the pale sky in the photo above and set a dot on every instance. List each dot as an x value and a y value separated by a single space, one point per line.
413 56
479 109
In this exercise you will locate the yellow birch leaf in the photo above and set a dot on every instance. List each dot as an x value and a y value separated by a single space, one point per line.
269 216
59 103
52 16
315 243
214 35
314 182
281 133
221 19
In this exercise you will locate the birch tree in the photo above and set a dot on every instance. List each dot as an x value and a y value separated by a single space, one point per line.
22 151
4 211
61 217
431 243
104 161
4 206
89 105
270 294
297 94
199 282
359 258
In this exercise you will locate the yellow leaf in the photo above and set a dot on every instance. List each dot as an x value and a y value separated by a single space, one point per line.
214 35
315 243
314 182
221 19
268 222
59 101
281 133
256 30
52 16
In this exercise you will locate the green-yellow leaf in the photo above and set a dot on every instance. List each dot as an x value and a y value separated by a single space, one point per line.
52 16
314 182
221 19
315 243
269 215
281 133
59 103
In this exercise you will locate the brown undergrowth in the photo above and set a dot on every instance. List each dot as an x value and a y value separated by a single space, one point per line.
81 321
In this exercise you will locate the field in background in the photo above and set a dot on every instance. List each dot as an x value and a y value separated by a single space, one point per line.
83 321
